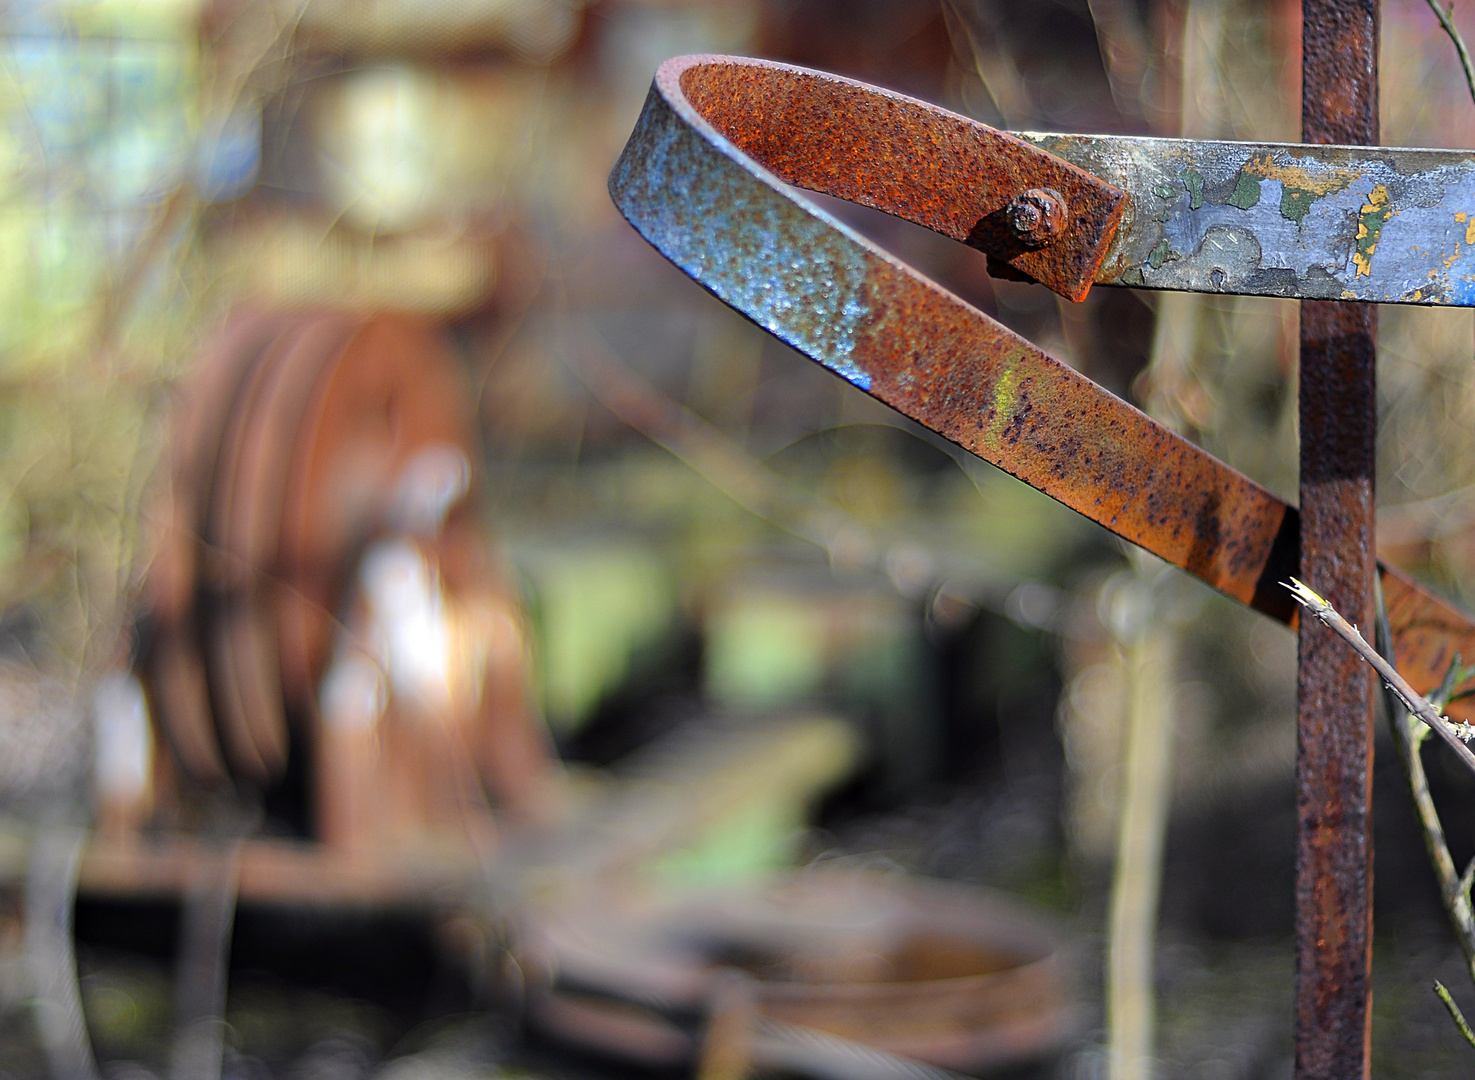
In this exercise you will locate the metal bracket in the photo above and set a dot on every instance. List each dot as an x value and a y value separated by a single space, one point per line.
703 180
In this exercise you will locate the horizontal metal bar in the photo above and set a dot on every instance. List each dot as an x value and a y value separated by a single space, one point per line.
1273 219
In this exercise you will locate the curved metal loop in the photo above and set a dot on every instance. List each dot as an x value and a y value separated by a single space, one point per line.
702 178
1046 218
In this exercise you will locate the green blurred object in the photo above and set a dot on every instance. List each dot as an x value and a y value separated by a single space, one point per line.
759 837
780 638
721 798
765 649
595 607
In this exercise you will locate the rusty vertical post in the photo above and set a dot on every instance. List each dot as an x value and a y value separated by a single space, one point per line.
1339 104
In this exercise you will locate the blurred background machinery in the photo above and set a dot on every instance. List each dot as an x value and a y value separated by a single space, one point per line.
437 614
321 559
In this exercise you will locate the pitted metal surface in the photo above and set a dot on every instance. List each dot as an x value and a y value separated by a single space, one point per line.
1335 691
946 172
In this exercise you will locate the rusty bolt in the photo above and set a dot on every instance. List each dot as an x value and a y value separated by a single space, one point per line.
1037 217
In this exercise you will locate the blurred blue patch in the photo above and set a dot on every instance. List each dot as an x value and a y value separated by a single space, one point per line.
229 155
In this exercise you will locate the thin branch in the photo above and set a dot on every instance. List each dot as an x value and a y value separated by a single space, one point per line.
1446 20
1454 1012
1407 738
1412 700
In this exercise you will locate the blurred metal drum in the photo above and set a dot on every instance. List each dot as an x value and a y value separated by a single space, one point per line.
948 974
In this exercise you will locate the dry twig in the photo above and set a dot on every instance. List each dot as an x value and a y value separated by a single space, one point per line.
1454 889
1454 1012
1446 20
1418 705
1402 704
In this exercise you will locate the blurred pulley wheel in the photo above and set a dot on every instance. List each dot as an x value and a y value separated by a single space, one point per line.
175 664
243 531
293 442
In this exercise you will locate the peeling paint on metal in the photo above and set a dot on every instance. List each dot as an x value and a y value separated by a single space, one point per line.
1161 254
1296 213
1370 219
737 240
1300 186
1194 182
1246 191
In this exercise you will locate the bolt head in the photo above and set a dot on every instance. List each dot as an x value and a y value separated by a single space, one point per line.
1037 217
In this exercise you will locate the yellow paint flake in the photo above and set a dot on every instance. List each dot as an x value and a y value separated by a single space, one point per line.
1299 177
1370 220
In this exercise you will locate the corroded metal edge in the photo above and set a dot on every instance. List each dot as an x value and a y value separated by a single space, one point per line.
1276 219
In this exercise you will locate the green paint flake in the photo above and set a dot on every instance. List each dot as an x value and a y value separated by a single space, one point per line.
1193 180
1246 191
1163 191
1161 254
1295 203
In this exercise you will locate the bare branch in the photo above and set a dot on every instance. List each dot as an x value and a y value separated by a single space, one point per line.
1407 738
1454 1012
1446 20
1412 700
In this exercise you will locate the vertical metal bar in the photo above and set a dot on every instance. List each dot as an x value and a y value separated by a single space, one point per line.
1339 104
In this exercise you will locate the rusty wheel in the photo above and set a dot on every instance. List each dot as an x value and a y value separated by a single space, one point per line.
245 517
299 443
175 665
390 392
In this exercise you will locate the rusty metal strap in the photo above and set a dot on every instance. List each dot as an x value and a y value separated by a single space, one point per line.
688 184
946 172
